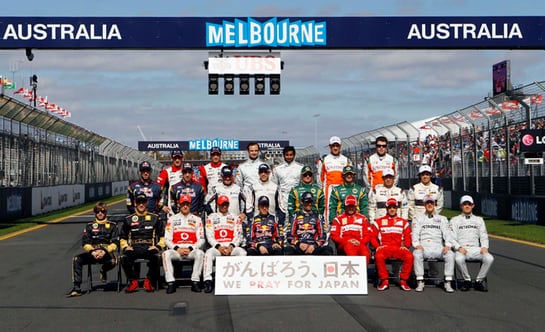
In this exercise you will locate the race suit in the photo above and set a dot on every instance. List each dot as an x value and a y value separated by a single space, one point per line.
332 176
338 195
222 230
166 179
307 227
392 240
141 231
210 175
416 195
192 189
380 195
237 199
98 234
247 173
269 189
470 233
152 191
184 231
264 231
432 231
347 227
294 200
287 176
373 167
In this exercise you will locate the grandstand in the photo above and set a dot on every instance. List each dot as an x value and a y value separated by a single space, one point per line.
474 149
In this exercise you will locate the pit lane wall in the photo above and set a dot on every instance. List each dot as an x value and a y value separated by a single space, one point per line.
518 208
16 203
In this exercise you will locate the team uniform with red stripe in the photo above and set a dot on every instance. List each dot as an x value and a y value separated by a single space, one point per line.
392 238
222 230
184 231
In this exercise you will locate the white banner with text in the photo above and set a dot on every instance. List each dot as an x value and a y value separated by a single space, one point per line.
290 275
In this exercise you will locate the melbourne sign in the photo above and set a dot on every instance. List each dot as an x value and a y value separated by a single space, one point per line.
250 33
205 144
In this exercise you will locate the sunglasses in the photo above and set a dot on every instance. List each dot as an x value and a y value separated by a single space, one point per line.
381 145
307 174
100 211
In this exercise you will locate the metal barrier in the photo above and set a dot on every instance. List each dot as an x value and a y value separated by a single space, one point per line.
41 149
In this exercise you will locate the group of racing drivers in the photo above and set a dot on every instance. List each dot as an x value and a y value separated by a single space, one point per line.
273 211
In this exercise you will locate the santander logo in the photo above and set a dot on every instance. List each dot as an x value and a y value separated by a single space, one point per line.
527 139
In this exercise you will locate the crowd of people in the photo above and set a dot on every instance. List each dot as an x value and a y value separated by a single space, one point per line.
499 144
283 210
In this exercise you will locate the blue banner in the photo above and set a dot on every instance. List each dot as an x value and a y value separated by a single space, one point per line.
273 32
205 144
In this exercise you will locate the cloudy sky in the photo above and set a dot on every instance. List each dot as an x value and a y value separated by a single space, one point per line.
338 92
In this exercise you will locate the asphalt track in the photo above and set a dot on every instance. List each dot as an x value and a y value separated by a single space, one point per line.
35 274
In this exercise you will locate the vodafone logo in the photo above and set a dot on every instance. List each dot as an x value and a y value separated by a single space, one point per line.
527 139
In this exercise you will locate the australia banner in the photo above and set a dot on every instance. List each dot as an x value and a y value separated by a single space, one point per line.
447 32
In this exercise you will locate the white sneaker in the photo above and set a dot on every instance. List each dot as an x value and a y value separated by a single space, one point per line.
448 287
420 286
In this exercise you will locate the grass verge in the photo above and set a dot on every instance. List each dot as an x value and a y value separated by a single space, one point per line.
510 229
17 225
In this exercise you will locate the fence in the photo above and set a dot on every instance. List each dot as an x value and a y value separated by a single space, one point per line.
474 149
40 149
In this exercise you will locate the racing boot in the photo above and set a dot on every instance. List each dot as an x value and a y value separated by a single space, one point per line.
148 285
384 285
76 291
208 287
466 285
132 287
404 286
480 285
195 287
171 288
448 287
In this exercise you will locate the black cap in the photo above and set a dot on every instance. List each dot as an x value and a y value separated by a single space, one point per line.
226 171
263 200
145 166
263 168
215 149
307 197
140 196
176 153
187 167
